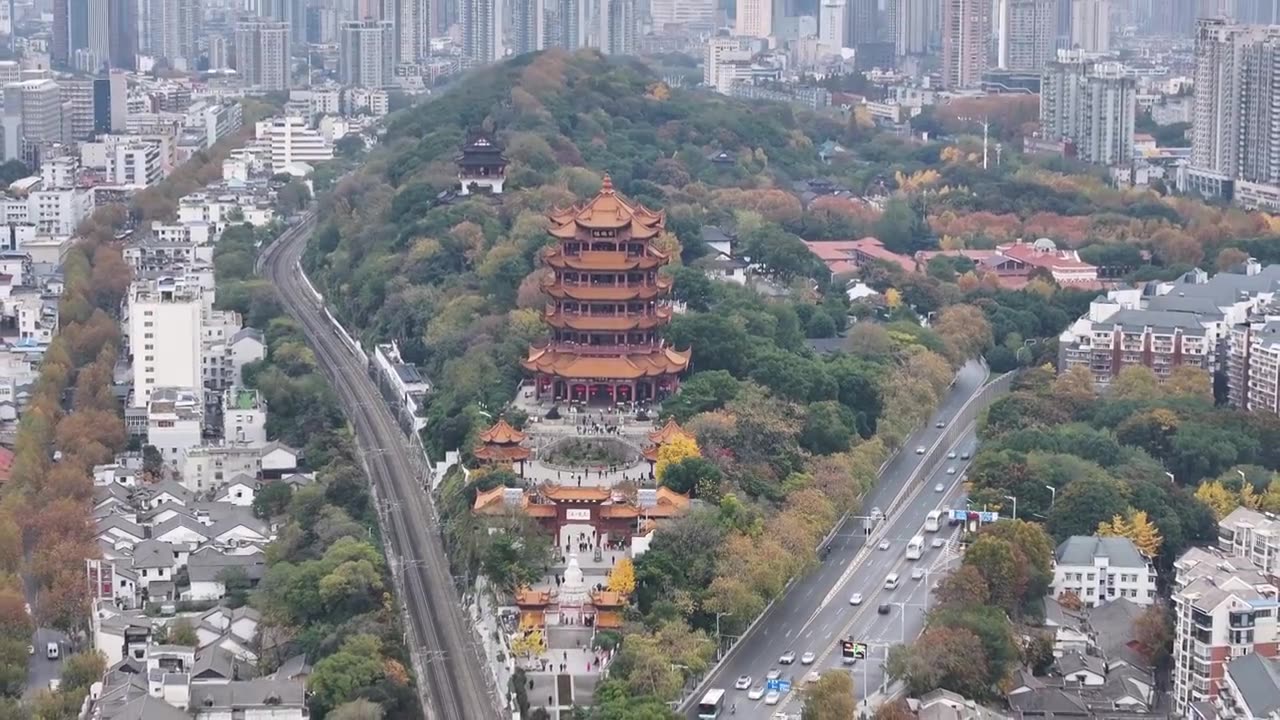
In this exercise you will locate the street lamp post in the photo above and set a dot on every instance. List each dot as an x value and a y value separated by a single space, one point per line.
902 607
719 641
1015 505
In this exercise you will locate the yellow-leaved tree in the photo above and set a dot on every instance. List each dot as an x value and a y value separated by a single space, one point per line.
622 579
673 451
1144 534
1271 498
1118 526
1219 499
1249 497
1138 528
528 644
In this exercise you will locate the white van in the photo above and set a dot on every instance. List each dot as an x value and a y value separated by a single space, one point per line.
51 651
891 582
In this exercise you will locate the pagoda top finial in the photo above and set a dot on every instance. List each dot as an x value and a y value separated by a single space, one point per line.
606 187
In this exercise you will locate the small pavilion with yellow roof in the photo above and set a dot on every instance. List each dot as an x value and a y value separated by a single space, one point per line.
501 444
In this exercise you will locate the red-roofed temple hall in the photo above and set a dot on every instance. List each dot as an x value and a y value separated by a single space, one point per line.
608 305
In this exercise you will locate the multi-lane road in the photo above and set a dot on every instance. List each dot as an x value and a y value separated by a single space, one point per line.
907 604
815 614
440 635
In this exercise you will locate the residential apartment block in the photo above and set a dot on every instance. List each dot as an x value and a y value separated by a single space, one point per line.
1090 105
165 319
1224 608
966 30
1250 688
1235 120
1213 323
1253 536
1101 569
1026 31
292 142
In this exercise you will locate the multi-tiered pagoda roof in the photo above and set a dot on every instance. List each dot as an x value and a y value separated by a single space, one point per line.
608 304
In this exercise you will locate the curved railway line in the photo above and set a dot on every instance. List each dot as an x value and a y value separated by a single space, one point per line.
441 640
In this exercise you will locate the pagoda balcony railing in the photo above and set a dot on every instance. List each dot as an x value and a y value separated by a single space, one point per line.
585 349
607 286
604 254
653 313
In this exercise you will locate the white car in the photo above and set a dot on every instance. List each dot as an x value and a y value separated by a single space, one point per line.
939 487
855 599
772 698
951 471
937 543
743 682
951 455
773 674
787 658
940 424
808 658
812 678
917 574
755 693
920 450
884 545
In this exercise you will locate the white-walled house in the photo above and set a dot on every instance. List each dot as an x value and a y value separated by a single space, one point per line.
208 467
278 459
208 567
181 529
157 561
1100 569
240 491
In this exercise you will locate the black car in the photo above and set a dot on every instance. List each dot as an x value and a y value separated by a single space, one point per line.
883 609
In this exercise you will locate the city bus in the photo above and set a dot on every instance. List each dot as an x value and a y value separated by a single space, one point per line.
711 705
915 548
933 521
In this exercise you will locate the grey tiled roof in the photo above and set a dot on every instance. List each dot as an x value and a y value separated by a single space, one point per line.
1258 680
1082 549
246 694
1188 323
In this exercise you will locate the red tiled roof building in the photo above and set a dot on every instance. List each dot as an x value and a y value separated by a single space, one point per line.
608 305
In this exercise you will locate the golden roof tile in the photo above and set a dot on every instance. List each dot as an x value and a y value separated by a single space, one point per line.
501 453
664 361
502 434
668 432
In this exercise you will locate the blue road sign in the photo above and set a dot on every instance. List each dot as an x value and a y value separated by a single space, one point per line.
772 684
983 517
784 686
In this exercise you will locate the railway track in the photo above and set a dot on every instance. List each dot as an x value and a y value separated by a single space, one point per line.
450 676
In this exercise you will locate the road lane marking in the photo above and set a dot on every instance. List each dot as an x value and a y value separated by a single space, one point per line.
900 565
860 556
